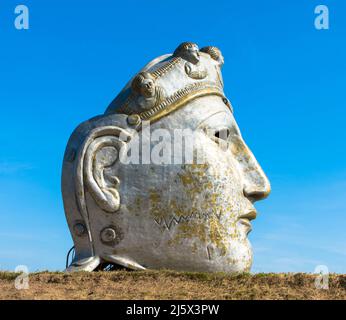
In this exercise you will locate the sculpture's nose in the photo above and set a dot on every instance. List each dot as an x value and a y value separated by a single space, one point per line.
256 185
257 191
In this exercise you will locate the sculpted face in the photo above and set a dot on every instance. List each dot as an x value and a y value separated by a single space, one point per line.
194 53
189 51
196 216
176 191
147 88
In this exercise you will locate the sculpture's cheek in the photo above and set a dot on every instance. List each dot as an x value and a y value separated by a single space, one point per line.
199 213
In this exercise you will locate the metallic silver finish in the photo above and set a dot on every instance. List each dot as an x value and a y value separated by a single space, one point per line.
159 212
79 229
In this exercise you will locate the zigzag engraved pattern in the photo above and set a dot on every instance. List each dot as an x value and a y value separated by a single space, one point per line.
168 223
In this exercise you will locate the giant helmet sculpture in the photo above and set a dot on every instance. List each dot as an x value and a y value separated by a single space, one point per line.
163 179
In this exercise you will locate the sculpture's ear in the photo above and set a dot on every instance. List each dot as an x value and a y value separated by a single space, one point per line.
102 154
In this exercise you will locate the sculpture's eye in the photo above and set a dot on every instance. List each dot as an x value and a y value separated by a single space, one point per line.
222 138
222 134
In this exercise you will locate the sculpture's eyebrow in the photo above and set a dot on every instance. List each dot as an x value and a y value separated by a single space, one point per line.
203 122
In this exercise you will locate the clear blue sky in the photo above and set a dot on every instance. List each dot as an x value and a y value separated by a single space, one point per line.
285 79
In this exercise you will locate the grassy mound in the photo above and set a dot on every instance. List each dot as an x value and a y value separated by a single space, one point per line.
170 285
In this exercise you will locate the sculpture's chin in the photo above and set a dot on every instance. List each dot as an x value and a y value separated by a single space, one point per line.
242 256
237 258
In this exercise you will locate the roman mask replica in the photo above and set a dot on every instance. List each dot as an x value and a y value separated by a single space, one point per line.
164 179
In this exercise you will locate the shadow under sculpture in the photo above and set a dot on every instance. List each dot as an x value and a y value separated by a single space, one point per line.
164 179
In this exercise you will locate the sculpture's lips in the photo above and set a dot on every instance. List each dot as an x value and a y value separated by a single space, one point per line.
246 218
251 215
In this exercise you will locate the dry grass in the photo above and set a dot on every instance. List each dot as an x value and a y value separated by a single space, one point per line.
170 285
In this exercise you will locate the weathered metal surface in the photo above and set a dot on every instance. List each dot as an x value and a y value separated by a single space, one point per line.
139 195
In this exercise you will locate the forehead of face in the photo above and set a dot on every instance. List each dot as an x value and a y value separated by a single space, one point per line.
209 111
